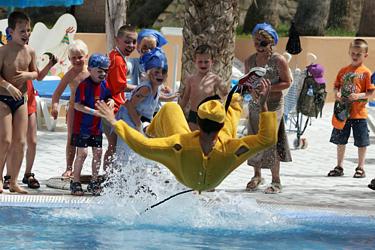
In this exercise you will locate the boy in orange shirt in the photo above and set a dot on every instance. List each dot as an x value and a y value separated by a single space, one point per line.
353 87
126 41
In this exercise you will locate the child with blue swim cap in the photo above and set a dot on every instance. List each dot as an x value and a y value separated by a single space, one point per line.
155 58
147 40
87 129
98 61
144 99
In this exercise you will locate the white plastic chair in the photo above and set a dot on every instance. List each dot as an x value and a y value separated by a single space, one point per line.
43 113
42 104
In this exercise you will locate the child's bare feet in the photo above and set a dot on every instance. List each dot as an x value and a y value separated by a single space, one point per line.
68 173
1 186
15 188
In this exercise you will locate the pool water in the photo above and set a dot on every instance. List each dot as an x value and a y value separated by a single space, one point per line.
184 223
212 220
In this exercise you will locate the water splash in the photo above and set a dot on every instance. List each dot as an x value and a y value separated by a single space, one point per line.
134 187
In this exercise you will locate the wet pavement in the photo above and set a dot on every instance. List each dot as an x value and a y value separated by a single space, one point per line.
305 181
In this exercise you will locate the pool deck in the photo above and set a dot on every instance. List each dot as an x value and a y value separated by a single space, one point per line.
304 180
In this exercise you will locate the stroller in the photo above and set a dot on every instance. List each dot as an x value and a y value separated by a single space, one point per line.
304 100
291 117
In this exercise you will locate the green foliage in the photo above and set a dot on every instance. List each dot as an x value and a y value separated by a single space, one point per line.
283 29
240 33
339 32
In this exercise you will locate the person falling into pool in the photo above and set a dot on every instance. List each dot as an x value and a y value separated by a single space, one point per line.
203 158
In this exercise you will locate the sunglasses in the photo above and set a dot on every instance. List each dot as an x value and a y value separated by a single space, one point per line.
103 69
264 43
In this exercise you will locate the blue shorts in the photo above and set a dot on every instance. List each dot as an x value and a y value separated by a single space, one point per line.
360 133
84 141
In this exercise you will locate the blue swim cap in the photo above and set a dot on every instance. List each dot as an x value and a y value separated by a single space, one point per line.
98 60
267 28
160 39
154 59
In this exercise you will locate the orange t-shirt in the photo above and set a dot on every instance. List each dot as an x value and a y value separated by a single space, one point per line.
361 83
116 78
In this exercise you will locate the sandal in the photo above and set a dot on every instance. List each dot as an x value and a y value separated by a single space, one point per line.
6 182
359 173
94 188
337 171
30 180
76 188
372 184
274 188
253 184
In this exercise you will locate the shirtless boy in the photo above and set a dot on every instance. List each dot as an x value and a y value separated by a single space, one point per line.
17 64
78 53
202 84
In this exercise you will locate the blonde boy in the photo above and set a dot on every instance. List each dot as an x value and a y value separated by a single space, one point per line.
202 84
353 86
78 53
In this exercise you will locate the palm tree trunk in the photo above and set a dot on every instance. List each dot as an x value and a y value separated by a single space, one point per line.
214 23
367 23
115 17
311 17
145 13
345 14
259 12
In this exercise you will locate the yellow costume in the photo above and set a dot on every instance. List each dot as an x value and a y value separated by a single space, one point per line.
176 147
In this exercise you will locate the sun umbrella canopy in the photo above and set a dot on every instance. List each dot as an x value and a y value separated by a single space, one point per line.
38 3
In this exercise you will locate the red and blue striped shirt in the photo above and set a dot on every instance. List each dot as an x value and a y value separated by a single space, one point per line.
88 93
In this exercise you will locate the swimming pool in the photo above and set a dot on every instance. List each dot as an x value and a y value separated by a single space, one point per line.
186 222
212 220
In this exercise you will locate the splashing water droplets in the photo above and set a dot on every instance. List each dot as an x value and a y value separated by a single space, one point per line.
133 187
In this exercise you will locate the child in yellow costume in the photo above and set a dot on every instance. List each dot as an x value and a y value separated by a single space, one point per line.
203 158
